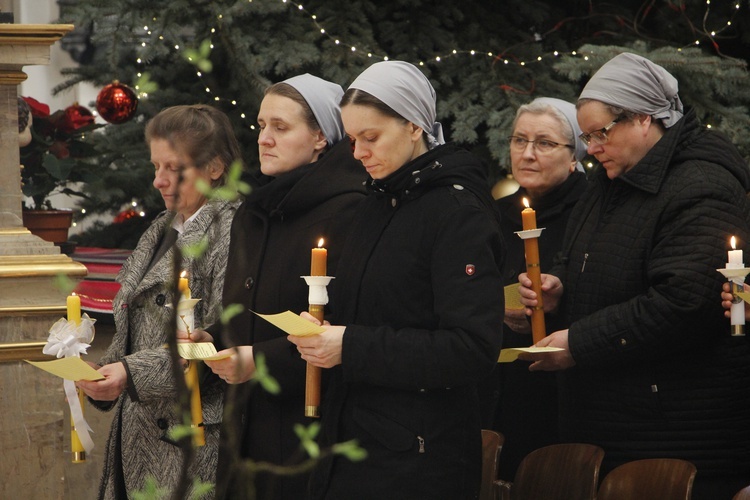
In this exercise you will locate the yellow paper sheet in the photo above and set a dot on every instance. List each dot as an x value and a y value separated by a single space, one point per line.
512 297
72 368
511 354
292 324
204 351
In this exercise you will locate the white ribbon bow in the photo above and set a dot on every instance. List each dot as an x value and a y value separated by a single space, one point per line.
66 339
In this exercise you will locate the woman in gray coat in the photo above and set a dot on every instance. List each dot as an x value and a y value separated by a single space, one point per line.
187 143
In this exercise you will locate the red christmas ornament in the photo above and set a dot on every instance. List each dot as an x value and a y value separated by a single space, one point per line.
116 103
125 215
75 117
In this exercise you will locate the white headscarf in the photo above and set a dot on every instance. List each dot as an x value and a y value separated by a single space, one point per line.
634 83
323 97
405 89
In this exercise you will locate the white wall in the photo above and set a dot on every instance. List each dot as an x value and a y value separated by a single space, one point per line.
42 79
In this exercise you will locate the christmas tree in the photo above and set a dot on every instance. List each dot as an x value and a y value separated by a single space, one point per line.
484 58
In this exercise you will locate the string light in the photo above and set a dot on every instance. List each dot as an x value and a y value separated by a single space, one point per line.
438 59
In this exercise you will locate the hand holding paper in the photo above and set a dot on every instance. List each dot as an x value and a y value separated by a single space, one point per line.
109 389
200 351
292 324
511 354
551 361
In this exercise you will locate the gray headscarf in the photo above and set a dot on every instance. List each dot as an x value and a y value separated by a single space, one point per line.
568 110
634 83
323 97
406 90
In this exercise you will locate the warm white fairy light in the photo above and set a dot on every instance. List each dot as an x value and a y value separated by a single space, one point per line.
435 59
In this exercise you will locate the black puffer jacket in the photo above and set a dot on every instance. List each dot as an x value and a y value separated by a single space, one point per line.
420 293
658 373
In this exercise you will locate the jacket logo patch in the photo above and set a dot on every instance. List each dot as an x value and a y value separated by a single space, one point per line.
470 269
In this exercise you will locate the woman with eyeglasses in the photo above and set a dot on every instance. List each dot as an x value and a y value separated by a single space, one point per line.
545 154
648 367
416 306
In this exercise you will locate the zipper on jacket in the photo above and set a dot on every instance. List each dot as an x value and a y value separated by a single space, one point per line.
585 258
420 439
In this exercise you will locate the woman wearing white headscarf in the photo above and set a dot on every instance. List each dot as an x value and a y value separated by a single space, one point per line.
308 186
649 368
545 154
420 294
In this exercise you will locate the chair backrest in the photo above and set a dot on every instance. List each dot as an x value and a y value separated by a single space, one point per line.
558 472
653 478
743 494
492 444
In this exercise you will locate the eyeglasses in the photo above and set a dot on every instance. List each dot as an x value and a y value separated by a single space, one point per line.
600 136
540 145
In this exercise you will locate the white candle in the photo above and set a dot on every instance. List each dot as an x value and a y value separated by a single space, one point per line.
735 256
735 261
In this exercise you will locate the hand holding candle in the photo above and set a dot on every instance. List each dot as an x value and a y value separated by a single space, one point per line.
533 269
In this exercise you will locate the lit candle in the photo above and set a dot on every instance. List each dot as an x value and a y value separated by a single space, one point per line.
528 216
735 256
737 311
183 286
319 260
74 308
533 270
318 267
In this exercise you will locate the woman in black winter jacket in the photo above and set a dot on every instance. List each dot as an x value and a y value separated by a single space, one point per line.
419 291
649 368
309 186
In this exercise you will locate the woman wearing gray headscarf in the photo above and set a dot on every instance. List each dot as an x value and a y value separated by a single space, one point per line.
420 294
649 368
545 154
308 186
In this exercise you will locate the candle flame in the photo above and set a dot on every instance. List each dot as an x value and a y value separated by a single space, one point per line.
73 293
733 242
183 274
526 202
321 241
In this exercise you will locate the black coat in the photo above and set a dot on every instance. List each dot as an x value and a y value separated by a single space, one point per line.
657 372
272 235
525 403
420 293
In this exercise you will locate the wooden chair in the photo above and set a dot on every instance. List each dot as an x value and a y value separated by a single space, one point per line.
743 494
492 444
556 472
649 479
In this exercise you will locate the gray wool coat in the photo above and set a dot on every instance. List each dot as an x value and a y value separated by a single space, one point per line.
146 410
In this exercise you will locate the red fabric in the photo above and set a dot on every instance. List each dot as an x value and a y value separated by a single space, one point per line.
98 289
